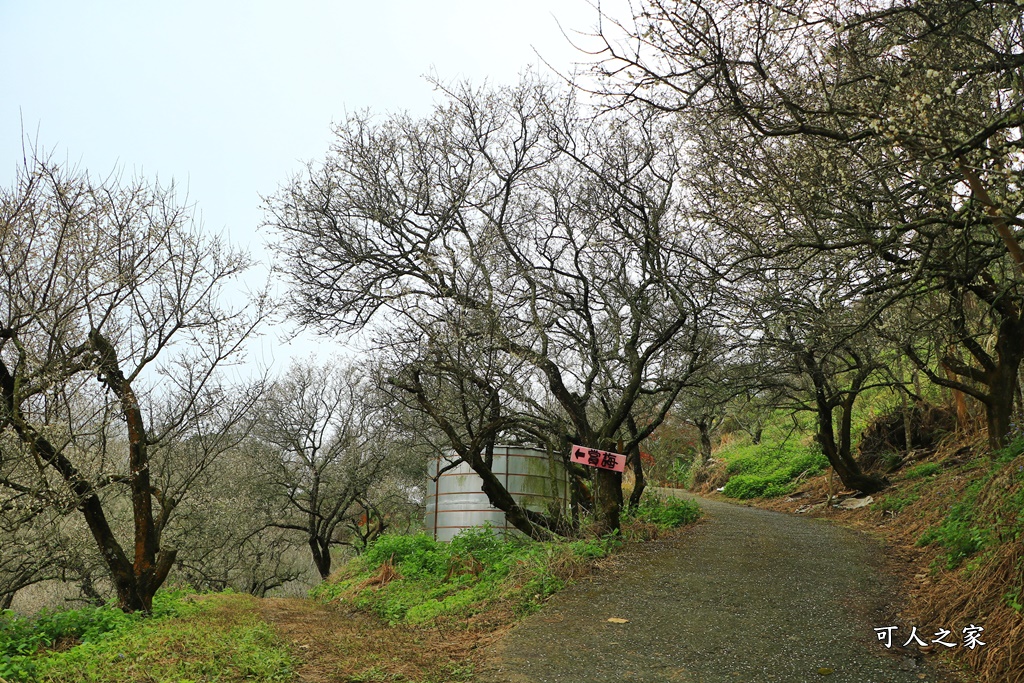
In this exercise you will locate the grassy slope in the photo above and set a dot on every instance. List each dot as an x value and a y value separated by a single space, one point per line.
415 580
964 511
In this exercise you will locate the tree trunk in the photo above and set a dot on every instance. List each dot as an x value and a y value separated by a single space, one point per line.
839 454
607 500
137 583
321 556
580 499
908 423
705 443
963 416
639 481
1002 381
533 524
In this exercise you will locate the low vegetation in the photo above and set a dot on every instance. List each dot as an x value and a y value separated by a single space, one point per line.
188 638
663 512
415 580
774 467
988 513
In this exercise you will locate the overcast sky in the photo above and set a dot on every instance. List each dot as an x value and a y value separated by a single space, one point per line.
228 98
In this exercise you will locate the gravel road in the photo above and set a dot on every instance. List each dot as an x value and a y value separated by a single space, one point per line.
745 596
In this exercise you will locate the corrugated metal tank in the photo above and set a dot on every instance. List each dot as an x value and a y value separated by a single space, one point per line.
536 479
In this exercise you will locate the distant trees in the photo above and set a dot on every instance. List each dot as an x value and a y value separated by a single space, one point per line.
526 267
112 331
42 544
328 448
220 528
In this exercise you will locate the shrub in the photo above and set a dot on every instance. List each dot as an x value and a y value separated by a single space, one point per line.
744 486
418 554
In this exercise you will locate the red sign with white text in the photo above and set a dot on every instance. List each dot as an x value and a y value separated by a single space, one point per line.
595 458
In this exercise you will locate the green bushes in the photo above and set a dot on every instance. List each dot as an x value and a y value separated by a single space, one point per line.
24 641
26 635
417 555
744 486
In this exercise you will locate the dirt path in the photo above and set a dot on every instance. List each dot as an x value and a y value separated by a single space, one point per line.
335 645
314 634
747 596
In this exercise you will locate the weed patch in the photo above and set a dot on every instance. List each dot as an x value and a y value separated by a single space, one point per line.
895 503
989 511
664 512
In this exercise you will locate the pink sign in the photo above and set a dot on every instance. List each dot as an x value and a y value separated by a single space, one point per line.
596 458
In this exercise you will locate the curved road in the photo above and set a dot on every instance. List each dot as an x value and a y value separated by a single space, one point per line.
746 596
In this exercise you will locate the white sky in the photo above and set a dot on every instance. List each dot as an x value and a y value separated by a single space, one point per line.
228 98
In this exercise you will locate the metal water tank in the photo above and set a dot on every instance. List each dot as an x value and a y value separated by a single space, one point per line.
536 479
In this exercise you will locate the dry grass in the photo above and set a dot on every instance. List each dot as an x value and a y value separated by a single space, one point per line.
710 477
333 644
640 531
384 575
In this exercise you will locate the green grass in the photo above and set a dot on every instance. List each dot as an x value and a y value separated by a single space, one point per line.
925 469
187 640
665 512
897 502
770 468
787 449
973 524
414 579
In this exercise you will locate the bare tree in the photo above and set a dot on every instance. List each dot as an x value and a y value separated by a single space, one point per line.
329 444
531 264
111 334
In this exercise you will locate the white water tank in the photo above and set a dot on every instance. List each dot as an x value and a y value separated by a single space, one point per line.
455 501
